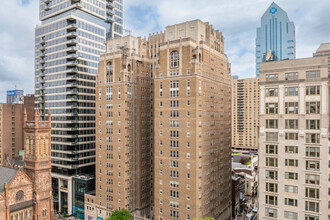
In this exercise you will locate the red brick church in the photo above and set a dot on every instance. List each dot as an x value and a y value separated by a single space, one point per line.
26 193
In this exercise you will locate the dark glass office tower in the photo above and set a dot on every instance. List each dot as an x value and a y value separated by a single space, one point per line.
68 43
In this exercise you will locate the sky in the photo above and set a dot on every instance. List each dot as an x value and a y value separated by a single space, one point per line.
236 19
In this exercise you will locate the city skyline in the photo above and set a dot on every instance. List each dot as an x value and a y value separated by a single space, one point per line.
142 17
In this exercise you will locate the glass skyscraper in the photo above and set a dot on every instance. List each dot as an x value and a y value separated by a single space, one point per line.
68 43
277 34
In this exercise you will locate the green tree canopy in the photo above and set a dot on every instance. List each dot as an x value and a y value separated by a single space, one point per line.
120 215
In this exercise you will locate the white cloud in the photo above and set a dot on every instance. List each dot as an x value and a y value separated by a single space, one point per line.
237 19
17 23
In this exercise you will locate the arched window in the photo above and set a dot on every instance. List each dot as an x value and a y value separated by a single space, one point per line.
109 69
19 196
174 59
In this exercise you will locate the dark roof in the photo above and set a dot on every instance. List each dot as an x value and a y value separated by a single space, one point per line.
7 174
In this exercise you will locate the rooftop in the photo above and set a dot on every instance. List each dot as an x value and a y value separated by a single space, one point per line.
7 174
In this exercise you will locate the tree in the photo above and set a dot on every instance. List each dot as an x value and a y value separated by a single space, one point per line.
244 160
120 215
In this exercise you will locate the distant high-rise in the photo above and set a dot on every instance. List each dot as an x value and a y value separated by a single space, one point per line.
67 47
276 34
15 96
245 113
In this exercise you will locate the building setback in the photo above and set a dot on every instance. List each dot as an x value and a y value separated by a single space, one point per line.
67 47
294 139
277 34
245 114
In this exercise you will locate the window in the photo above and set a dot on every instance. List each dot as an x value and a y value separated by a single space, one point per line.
291 163
293 91
160 89
271 174
174 134
291 176
188 87
271 77
291 136
174 194
271 123
291 108
271 92
271 187
174 154
174 113
270 212
109 69
312 193
290 215
271 200
291 123
271 149
312 74
271 162
174 184
109 94
174 88
174 103
174 214
312 152
291 189
312 217
118 92
313 124
271 108
174 124
291 149
312 107
312 90
312 179
175 59
291 202
312 138
291 76
271 136
312 206
312 165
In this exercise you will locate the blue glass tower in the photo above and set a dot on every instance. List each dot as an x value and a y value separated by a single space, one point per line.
277 34
68 43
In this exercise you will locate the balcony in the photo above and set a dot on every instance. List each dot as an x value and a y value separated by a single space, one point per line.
47 8
42 42
72 27
110 12
78 5
72 63
72 49
72 57
74 77
47 1
73 70
110 5
109 19
75 1
42 48
72 42
72 35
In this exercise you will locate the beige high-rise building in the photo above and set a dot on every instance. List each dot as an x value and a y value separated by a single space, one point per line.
177 163
11 127
192 124
294 139
245 114
124 131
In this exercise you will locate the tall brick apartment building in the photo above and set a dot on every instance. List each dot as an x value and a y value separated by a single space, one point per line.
163 126
26 193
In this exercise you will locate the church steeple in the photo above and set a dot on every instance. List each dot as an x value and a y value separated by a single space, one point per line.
37 164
